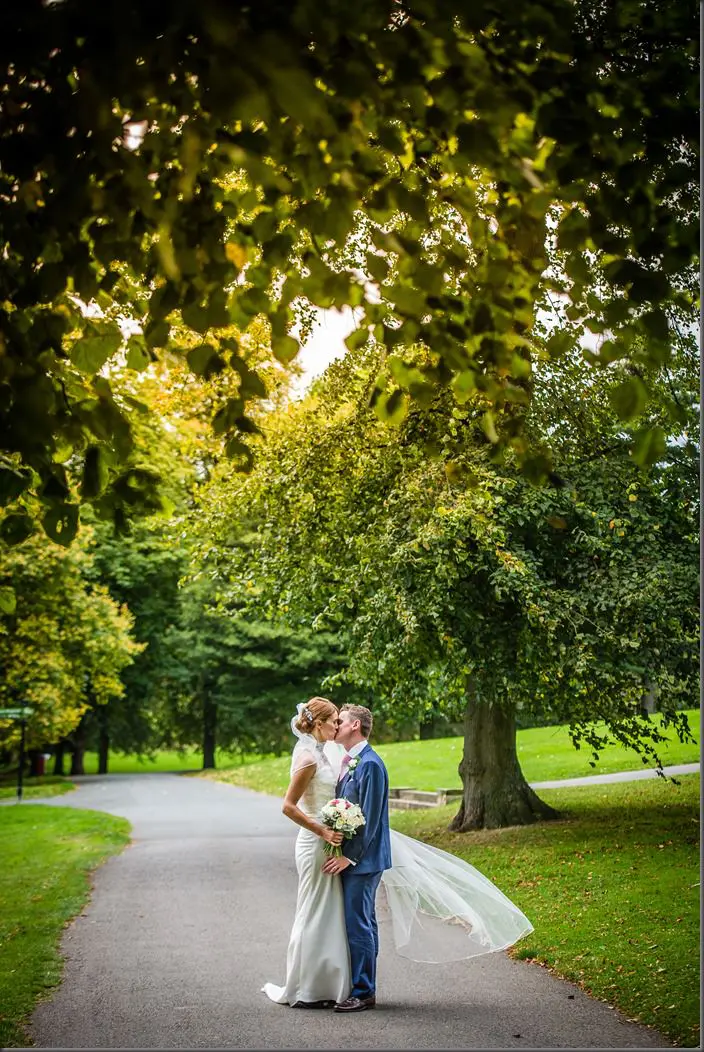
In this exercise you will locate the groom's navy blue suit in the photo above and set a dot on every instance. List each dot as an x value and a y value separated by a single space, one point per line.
367 785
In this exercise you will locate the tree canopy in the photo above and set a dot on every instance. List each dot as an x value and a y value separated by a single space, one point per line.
168 171
455 583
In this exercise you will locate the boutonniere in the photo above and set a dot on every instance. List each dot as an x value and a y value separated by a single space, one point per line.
353 763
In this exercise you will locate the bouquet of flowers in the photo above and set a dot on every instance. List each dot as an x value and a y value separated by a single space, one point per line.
344 817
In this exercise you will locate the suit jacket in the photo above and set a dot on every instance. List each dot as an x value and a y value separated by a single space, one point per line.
368 786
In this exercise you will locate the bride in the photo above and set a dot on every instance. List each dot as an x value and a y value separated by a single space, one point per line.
318 972
441 908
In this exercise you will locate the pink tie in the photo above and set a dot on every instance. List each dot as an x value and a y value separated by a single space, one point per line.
343 766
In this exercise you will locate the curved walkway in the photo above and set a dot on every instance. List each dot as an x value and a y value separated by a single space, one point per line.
619 776
187 923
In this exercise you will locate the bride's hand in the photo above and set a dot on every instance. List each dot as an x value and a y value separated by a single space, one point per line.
331 836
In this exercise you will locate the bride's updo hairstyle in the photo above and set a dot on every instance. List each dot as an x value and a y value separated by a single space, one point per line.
315 711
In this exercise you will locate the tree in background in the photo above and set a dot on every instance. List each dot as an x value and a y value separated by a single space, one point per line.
142 564
205 673
234 681
141 571
64 643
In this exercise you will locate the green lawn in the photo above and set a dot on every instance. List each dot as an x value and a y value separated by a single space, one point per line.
47 854
612 890
545 753
164 761
45 785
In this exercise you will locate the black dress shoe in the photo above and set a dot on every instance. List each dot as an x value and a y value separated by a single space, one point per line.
313 1004
356 1004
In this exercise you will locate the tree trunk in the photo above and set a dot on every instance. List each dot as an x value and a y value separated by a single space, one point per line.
103 742
77 760
649 702
78 747
34 762
210 721
495 793
59 753
426 729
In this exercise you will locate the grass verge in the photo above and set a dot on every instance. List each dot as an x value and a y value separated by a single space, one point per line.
165 761
45 785
48 853
612 890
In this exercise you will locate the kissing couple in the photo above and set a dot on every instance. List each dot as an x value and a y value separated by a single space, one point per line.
441 908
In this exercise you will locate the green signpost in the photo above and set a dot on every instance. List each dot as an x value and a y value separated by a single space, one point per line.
18 714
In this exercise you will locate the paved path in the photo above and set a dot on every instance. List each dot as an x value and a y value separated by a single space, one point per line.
188 922
619 776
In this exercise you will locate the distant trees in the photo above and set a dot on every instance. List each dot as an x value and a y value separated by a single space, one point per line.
64 642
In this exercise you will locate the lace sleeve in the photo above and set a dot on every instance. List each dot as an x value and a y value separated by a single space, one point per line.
302 757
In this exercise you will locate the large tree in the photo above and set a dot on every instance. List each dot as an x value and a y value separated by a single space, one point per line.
460 586
187 166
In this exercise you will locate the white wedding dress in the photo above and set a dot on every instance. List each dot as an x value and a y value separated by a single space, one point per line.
440 907
318 959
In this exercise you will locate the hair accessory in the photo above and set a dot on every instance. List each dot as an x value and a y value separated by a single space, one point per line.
302 711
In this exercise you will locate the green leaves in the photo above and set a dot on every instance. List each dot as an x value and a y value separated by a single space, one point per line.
240 453
629 398
377 266
390 406
224 419
251 384
13 482
656 325
649 446
138 357
470 166
488 425
285 348
69 641
61 523
156 333
95 473
644 286
414 380
205 361
573 231
408 300
8 600
195 316
476 141
356 339
16 527
253 301
90 353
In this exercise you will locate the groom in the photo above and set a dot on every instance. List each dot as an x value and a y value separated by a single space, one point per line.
363 781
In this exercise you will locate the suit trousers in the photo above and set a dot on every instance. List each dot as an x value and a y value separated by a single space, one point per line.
359 894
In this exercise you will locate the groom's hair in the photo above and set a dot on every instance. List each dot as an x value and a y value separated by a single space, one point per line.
358 712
